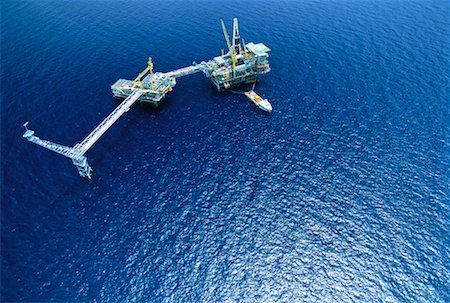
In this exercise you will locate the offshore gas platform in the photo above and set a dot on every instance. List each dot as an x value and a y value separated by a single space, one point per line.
242 64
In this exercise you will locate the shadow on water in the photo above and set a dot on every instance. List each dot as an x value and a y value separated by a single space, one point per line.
145 107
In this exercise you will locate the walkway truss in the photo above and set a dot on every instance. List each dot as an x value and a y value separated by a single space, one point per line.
77 152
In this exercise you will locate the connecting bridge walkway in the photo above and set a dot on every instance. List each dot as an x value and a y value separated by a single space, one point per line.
76 153
185 71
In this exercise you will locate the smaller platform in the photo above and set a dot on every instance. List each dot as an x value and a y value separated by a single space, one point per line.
155 88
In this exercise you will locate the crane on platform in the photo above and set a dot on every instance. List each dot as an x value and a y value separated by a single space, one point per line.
148 69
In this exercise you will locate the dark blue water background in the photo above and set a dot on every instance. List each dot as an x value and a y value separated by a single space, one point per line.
340 195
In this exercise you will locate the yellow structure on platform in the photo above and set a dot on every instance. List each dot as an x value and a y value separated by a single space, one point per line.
148 69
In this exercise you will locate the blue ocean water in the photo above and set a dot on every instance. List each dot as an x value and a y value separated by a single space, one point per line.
340 195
